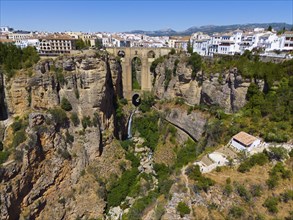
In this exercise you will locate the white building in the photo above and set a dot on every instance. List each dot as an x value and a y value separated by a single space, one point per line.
5 29
287 41
27 42
20 35
244 142
201 47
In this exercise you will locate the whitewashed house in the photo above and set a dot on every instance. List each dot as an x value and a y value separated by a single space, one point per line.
287 41
244 142
201 47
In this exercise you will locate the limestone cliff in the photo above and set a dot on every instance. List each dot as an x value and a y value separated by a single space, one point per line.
60 171
227 89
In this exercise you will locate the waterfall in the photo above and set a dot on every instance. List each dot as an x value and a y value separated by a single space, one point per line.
129 135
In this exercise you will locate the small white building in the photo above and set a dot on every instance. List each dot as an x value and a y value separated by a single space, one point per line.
244 142
287 41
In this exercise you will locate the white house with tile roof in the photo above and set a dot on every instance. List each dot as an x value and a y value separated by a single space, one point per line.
244 142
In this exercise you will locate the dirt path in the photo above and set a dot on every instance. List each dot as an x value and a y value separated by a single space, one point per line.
185 177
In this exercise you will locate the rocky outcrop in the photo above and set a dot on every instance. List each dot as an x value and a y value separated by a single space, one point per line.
193 124
227 90
60 172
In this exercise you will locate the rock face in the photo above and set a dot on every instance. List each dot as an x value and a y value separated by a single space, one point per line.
193 123
228 89
60 172
3 109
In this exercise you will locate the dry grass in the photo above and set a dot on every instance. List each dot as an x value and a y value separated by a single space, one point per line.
257 175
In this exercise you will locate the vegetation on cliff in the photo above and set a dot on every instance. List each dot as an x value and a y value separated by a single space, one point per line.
14 58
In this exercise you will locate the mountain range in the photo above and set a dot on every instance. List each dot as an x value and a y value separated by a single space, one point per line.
209 29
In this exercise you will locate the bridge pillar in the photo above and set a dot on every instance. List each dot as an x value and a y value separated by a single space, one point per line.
126 77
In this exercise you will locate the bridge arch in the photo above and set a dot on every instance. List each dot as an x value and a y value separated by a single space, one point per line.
136 69
121 53
147 56
151 54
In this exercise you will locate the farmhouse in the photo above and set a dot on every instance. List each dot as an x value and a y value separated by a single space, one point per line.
243 141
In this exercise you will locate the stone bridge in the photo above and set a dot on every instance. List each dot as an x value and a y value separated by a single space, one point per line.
146 56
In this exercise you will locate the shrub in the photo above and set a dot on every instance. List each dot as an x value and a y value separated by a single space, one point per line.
271 203
147 101
256 159
60 76
64 153
18 138
187 153
136 210
179 101
148 129
74 119
172 52
277 172
69 138
202 183
134 160
168 77
120 189
228 190
59 116
286 196
16 126
163 172
126 144
65 104
195 62
1 146
256 190
155 63
86 122
183 209
273 181
242 192
236 212
277 153
3 156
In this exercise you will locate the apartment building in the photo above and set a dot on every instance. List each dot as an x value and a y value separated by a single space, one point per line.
56 44
20 35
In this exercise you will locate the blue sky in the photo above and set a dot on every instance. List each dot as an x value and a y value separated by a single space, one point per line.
144 15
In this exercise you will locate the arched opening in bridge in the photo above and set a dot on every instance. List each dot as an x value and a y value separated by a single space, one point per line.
136 100
151 54
121 53
136 73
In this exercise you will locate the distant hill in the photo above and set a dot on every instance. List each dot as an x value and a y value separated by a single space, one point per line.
208 29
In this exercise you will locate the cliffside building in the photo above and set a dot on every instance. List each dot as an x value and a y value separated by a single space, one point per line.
56 44
244 142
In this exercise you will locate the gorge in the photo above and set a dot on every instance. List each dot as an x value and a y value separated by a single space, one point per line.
75 148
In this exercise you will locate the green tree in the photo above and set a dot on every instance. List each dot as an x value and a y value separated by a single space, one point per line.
269 28
195 62
190 47
80 44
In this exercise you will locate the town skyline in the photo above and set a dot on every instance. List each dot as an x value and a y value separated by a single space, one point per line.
125 16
